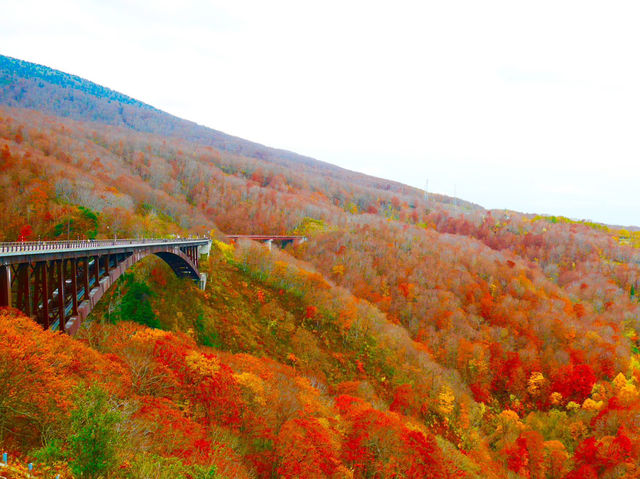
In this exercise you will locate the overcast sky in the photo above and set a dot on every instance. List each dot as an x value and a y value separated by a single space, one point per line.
531 106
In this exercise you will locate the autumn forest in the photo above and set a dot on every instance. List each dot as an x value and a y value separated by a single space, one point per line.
408 337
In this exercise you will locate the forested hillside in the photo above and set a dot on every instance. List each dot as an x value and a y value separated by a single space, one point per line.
403 339
32 86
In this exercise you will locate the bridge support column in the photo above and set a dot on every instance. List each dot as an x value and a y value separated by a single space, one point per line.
96 271
50 282
268 243
74 285
85 278
61 308
5 286
36 288
23 297
42 288
205 249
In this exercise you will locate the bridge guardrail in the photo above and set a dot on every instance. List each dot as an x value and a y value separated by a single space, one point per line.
27 246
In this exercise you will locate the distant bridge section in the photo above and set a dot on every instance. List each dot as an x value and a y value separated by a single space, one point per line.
282 240
58 283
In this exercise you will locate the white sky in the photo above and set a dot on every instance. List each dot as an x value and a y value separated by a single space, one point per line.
531 106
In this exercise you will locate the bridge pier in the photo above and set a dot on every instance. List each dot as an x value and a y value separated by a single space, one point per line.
60 285
74 286
205 248
23 297
41 286
5 286
85 278
96 270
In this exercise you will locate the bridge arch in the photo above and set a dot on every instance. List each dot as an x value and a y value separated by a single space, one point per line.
181 265
59 283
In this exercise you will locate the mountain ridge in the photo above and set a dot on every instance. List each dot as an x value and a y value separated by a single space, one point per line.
35 86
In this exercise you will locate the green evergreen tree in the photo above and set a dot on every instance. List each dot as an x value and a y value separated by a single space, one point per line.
93 437
135 305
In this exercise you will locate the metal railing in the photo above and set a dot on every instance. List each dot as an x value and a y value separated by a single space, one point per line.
17 470
35 246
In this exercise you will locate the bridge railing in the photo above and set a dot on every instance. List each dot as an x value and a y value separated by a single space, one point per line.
27 246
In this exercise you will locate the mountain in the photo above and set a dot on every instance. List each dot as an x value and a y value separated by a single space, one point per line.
33 86
403 339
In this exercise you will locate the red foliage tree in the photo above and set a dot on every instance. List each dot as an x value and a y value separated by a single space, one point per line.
574 382
26 232
306 449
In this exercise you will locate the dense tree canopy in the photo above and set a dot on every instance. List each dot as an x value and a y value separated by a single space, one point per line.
403 339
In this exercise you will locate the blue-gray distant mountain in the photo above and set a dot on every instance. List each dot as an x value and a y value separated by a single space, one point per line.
29 85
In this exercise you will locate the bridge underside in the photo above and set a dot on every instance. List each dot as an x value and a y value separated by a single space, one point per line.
60 289
181 268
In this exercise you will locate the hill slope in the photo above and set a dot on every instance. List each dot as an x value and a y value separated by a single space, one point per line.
28 85
421 340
